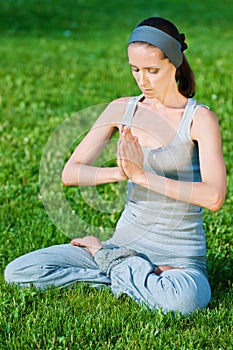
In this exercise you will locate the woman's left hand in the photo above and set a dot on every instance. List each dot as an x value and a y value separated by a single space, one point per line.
130 155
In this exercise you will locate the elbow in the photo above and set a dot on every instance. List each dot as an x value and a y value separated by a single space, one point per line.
66 181
70 174
217 202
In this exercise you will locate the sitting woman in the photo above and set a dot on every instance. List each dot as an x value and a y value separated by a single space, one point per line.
170 152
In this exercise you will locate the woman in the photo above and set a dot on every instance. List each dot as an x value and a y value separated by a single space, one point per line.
170 153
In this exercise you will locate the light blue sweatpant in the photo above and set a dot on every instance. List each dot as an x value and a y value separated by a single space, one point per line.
173 290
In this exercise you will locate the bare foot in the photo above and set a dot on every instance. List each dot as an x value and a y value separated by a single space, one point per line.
91 243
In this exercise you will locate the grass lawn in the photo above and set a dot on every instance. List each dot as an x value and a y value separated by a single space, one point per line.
59 58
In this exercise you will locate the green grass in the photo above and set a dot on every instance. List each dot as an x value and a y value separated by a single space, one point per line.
58 58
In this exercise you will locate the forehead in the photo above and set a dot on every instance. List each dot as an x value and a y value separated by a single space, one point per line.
144 55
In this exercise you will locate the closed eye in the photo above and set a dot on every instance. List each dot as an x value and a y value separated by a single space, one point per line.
153 70
134 69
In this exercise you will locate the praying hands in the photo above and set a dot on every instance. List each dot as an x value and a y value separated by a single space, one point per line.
129 154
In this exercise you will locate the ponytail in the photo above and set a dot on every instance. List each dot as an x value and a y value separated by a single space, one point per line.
185 79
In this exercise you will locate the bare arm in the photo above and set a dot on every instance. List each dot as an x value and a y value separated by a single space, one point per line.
210 193
78 170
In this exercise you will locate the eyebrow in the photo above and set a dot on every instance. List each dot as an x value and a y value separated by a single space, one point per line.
132 65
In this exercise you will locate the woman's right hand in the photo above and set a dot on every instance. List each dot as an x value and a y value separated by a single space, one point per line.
122 175
119 159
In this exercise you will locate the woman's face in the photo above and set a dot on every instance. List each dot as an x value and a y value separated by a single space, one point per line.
153 74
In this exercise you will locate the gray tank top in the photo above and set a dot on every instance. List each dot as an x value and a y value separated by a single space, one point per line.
167 231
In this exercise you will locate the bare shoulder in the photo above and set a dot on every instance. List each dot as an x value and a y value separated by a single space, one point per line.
204 122
124 99
114 111
119 103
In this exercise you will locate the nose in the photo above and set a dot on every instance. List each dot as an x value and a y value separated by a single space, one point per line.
142 79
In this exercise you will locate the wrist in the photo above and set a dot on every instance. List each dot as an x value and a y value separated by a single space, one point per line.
119 175
140 178
107 175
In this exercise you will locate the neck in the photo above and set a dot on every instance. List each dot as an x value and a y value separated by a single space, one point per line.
178 101
169 97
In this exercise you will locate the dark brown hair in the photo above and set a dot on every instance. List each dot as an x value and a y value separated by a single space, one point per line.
184 74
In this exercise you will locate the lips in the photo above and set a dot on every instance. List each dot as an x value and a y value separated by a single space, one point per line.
146 90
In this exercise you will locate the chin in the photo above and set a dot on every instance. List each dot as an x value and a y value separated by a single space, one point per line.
149 94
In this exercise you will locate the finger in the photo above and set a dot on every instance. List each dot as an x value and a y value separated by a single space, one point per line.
122 148
129 136
123 131
119 163
127 133
119 151
126 156
129 148
139 148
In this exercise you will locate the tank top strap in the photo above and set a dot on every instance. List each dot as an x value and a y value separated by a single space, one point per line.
130 110
191 108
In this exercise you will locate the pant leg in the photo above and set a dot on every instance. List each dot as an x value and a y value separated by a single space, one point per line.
57 266
173 290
